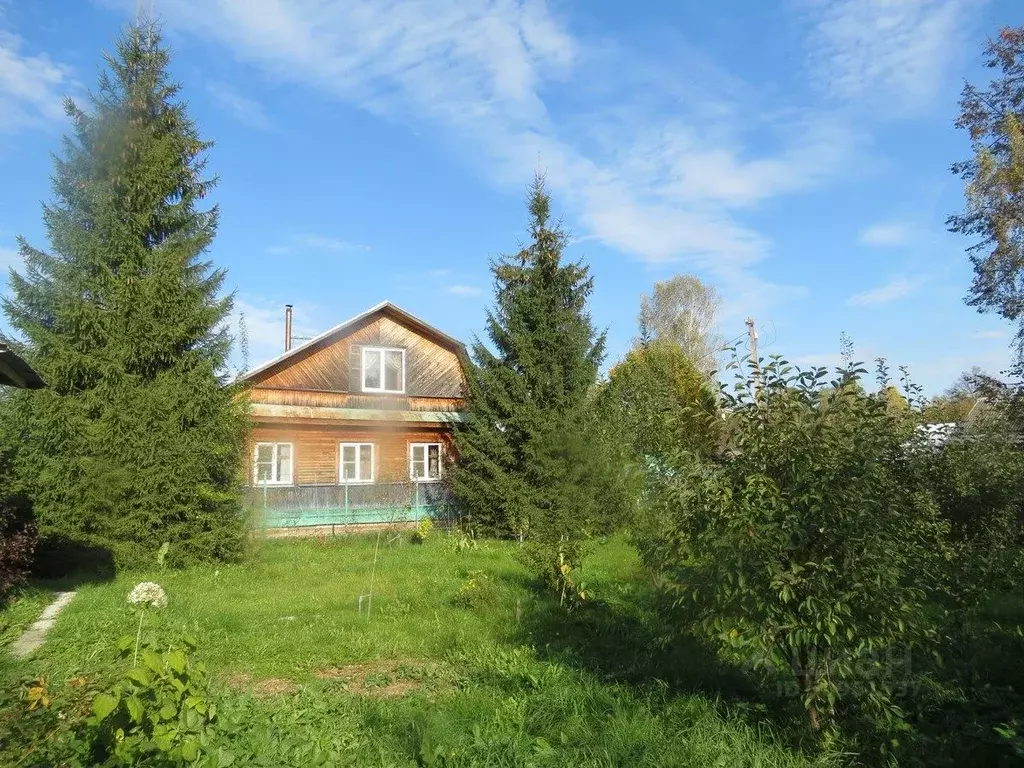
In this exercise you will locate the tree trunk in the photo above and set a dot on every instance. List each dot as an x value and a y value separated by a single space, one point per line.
806 681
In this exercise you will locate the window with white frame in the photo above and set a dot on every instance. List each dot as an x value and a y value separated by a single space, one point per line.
356 463
424 461
272 464
383 369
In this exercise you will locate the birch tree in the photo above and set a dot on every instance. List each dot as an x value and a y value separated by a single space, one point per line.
682 310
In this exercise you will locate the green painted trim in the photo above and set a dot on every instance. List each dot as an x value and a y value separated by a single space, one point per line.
297 518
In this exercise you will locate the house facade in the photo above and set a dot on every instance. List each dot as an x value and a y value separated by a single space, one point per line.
354 426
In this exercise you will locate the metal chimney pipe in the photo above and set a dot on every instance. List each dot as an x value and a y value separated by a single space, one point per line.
287 327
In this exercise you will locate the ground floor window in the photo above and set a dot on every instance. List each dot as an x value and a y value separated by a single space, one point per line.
356 463
424 461
273 464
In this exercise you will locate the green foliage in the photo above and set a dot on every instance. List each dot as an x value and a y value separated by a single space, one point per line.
477 591
136 439
534 459
423 529
977 479
159 713
665 401
993 215
805 551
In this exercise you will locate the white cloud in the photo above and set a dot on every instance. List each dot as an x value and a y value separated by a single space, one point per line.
323 243
9 257
885 234
264 326
661 177
892 51
991 335
463 290
897 288
31 87
247 111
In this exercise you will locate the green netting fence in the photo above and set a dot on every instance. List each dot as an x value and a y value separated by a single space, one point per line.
348 504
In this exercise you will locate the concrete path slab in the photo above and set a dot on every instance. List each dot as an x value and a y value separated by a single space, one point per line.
33 637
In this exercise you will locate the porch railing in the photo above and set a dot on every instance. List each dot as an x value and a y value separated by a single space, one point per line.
352 504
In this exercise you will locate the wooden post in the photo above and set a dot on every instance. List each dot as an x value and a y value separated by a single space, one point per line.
755 363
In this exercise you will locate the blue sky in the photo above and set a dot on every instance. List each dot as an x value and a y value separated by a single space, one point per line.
795 154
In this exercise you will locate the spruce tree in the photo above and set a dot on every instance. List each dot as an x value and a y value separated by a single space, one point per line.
529 453
137 440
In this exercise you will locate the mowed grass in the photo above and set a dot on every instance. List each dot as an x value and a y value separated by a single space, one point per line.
418 678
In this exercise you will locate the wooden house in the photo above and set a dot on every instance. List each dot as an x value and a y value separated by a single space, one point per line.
354 426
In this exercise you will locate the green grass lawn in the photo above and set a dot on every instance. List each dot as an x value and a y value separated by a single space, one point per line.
500 677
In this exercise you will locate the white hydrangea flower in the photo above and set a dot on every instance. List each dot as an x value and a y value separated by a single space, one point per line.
148 593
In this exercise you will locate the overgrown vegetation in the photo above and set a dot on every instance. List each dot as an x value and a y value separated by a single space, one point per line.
299 677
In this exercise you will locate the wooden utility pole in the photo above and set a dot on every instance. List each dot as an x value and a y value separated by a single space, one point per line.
755 364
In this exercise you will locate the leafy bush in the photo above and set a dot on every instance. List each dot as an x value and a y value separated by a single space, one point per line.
17 543
423 529
665 401
159 713
806 550
477 591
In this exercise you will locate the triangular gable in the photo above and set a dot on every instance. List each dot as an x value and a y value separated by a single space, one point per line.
329 362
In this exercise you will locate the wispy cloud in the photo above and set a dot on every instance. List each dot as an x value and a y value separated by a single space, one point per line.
264 327
463 290
31 87
991 335
897 288
652 179
885 234
894 51
244 109
320 243
9 257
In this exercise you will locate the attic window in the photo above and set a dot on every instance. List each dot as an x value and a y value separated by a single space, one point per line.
383 370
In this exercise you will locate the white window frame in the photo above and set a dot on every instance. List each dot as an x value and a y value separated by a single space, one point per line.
342 480
256 468
426 462
383 368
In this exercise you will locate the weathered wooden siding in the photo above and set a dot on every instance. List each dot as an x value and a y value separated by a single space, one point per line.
431 370
316 448
318 399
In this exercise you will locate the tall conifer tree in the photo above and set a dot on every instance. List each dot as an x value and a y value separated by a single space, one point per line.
520 464
137 440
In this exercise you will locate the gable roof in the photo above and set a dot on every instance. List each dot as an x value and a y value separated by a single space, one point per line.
339 329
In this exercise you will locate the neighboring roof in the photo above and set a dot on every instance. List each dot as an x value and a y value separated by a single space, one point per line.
15 372
384 305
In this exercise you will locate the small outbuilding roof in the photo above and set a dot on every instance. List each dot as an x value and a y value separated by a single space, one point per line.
15 372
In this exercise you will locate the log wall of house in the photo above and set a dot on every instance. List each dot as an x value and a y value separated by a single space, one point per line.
333 366
316 448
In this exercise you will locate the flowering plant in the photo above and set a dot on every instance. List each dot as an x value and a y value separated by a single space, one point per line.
148 593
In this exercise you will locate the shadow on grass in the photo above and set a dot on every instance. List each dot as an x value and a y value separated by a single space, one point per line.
631 643
64 563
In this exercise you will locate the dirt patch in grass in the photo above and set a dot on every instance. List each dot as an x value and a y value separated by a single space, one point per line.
271 686
381 678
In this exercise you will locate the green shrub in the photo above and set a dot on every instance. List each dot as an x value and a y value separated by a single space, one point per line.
159 713
477 591
807 550
423 529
